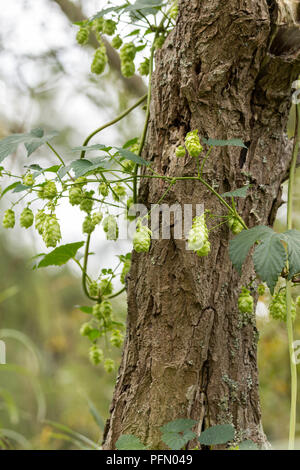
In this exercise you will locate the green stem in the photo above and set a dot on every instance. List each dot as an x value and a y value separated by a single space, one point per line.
293 367
143 137
84 269
117 293
59 158
111 123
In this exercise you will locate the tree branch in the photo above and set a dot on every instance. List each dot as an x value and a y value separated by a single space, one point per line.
135 84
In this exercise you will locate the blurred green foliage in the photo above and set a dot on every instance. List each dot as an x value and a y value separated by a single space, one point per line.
40 311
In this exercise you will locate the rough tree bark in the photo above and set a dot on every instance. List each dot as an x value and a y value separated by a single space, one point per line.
188 352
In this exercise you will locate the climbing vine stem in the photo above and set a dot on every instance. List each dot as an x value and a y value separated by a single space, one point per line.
293 367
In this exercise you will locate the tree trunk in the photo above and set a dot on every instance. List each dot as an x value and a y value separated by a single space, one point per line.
188 352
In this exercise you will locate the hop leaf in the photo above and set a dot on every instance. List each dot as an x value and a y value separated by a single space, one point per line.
9 219
26 218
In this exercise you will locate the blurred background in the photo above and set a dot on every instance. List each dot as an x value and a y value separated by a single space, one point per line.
51 397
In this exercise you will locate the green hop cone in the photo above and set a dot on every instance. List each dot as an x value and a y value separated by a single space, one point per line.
96 312
129 204
245 301
96 355
180 151
128 165
109 365
127 68
192 143
82 35
93 289
106 309
98 24
277 307
86 329
9 219
99 60
261 289
109 27
28 179
87 202
205 250
26 218
88 225
135 148
97 218
39 221
116 42
117 338
298 301
173 12
75 195
128 52
142 239
159 41
82 180
235 225
125 270
106 287
144 67
110 227
103 189
48 191
198 235
119 192
51 231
